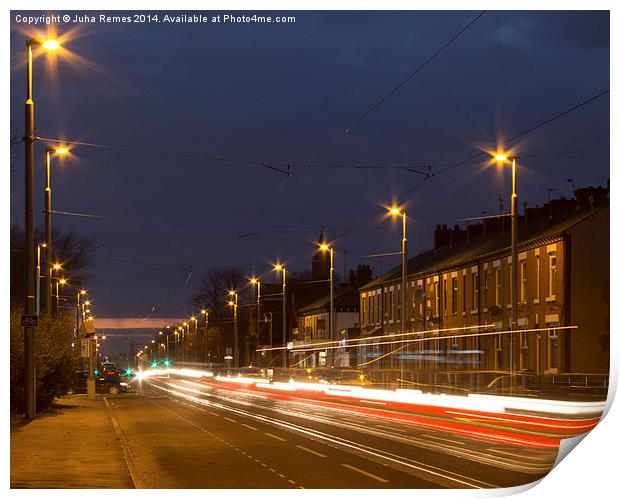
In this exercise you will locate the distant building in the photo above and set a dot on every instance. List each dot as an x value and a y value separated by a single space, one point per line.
465 281
313 321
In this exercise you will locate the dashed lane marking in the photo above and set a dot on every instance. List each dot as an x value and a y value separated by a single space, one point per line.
228 444
248 426
275 436
374 477
310 451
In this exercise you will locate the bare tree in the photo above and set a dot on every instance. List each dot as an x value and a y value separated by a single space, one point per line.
75 252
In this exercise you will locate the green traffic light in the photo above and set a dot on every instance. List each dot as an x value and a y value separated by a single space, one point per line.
128 372
96 372
154 365
166 362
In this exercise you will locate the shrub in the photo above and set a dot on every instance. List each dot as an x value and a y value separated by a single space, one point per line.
56 360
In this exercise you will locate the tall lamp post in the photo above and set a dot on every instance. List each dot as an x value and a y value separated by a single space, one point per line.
39 277
256 282
30 401
49 151
394 211
281 268
234 303
205 312
195 321
501 158
59 282
81 293
183 344
332 316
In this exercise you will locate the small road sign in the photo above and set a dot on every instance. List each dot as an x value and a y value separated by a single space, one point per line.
29 320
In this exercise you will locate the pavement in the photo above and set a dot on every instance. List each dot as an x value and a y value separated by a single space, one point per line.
72 445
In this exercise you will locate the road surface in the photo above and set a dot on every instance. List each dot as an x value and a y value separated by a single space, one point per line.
191 433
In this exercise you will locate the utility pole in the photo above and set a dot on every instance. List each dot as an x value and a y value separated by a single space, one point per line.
30 407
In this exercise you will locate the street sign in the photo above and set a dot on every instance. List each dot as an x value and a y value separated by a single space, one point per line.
84 347
88 328
29 320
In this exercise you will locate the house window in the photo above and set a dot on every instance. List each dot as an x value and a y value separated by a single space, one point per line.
486 287
537 277
365 310
445 296
397 304
475 286
421 304
553 274
391 305
509 302
498 287
523 280
464 293
436 296
372 309
455 292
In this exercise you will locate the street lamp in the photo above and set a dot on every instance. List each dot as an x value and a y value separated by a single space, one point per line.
39 276
501 158
81 293
281 268
30 381
234 303
59 282
255 282
395 211
205 312
325 247
49 151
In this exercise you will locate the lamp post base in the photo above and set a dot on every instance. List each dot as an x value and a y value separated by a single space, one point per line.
90 388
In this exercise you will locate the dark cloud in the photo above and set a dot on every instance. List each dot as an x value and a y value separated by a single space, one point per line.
285 93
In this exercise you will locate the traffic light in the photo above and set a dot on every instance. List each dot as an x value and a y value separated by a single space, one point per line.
154 364
96 372
166 362
128 372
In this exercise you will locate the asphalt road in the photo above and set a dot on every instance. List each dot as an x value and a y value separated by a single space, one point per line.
185 433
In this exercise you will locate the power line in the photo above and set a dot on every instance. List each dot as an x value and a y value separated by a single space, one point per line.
474 158
355 123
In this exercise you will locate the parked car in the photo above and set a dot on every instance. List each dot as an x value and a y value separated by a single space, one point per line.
103 384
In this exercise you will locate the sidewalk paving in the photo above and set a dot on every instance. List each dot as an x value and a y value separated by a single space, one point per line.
73 445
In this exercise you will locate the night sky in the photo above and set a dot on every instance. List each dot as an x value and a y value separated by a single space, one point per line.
168 94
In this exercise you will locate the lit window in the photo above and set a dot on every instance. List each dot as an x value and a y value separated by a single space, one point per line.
523 280
475 286
538 277
498 287
455 292
553 274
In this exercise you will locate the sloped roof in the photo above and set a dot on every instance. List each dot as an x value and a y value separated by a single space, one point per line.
348 298
463 253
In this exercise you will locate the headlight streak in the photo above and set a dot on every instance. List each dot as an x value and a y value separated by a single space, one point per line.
399 461
474 402
552 439
470 454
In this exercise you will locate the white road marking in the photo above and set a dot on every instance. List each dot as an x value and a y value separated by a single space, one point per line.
276 437
230 419
520 456
248 426
444 439
310 451
390 428
374 477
